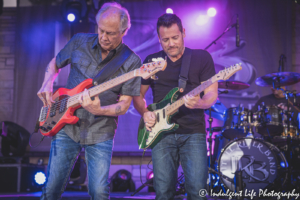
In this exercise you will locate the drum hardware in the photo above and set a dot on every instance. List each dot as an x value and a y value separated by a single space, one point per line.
239 184
217 110
232 85
261 164
215 129
236 123
210 120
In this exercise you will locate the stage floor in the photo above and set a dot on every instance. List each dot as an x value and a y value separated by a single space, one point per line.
72 195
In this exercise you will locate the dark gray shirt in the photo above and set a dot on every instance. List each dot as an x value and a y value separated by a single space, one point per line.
83 52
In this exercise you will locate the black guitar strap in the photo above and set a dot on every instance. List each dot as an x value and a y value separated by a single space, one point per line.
184 71
113 65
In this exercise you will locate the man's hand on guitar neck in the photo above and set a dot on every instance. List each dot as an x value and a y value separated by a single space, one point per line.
149 119
209 98
94 106
192 102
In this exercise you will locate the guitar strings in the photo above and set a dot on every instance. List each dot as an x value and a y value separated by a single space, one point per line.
70 100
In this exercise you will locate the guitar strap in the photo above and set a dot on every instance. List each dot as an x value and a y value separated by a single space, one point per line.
185 65
113 65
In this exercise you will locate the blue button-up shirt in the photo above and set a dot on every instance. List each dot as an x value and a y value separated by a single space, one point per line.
83 52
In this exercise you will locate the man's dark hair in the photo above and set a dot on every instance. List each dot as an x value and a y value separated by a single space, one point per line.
167 20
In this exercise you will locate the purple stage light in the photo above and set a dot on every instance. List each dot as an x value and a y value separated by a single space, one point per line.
211 12
169 11
150 175
202 20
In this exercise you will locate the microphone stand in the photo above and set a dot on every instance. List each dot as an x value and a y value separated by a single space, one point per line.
214 42
210 118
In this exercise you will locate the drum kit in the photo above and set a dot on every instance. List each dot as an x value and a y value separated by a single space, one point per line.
271 160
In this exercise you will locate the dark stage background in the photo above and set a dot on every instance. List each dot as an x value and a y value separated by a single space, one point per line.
265 32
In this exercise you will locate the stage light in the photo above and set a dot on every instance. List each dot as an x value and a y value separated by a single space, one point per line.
282 164
213 177
40 178
169 11
150 175
71 17
74 10
15 139
202 20
211 12
121 182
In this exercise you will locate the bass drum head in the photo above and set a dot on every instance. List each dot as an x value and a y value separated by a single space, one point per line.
262 164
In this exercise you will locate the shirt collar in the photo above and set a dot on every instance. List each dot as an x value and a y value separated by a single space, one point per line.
97 45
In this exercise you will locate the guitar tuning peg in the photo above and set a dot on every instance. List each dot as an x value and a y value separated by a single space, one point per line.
154 77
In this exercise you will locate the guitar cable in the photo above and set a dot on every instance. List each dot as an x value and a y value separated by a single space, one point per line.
36 129
151 185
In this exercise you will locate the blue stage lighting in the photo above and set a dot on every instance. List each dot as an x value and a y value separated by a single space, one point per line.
74 11
40 178
71 17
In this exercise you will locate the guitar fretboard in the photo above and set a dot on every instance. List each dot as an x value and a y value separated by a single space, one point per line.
174 106
73 101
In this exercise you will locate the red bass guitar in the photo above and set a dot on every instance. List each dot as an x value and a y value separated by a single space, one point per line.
61 112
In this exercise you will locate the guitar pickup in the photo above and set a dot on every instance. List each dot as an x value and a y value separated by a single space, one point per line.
43 128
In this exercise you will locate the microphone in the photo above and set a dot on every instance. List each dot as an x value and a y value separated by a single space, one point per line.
237 31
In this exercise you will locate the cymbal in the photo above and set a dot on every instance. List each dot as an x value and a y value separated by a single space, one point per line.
279 79
233 85
217 110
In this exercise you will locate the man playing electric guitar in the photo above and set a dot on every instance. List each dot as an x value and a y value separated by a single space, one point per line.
88 54
188 143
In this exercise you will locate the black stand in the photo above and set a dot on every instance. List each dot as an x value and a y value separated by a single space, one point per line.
210 120
150 181
214 42
238 182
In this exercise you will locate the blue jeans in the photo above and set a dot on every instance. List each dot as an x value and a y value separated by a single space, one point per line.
191 151
63 155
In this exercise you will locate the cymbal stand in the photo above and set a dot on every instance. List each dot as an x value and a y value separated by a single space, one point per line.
210 120
288 137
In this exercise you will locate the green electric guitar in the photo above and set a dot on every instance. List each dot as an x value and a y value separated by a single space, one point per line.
168 107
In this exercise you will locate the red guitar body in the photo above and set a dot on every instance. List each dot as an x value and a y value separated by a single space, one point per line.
57 117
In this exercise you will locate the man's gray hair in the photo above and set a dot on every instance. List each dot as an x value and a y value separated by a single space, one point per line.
124 15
